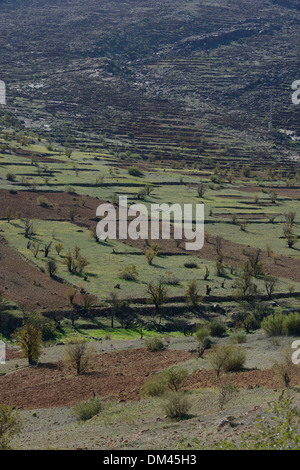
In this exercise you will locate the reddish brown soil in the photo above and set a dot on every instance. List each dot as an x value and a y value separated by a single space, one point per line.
35 156
26 285
245 215
119 374
248 379
13 353
293 193
26 203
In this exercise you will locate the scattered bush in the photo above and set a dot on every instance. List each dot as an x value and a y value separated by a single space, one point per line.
176 405
203 339
129 273
78 355
43 202
285 367
51 267
29 339
292 324
10 425
227 358
35 248
88 409
58 248
238 337
192 294
217 328
191 265
75 262
133 171
155 387
154 344
9 214
151 252
45 325
227 392
169 279
10 176
274 324
175 378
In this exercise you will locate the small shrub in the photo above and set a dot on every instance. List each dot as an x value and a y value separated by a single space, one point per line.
191 265
155 387
10 425
78 355
129 273
292 324
176 405
175 378
203 339
217 328
133 171
154 344
88 409
227 392
169 279
285 367
43 202
9 214
151 252
238 337
10 176
58 248
227 358
70 190
274 324
192 294
51 267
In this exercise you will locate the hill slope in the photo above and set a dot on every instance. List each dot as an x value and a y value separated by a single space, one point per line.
202 75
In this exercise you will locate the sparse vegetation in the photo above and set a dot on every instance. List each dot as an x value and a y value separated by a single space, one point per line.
78 355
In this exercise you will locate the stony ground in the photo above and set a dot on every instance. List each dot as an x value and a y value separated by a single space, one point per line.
45 396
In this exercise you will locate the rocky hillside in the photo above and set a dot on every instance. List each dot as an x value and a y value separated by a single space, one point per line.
159 76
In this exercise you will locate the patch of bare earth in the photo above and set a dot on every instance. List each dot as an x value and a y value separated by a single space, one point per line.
293 193
26 285
247 379
118 374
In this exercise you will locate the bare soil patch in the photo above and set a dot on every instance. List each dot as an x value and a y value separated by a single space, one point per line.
26 285
247 379
13 353
26 202
119 375
245 215
293 193
38 157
